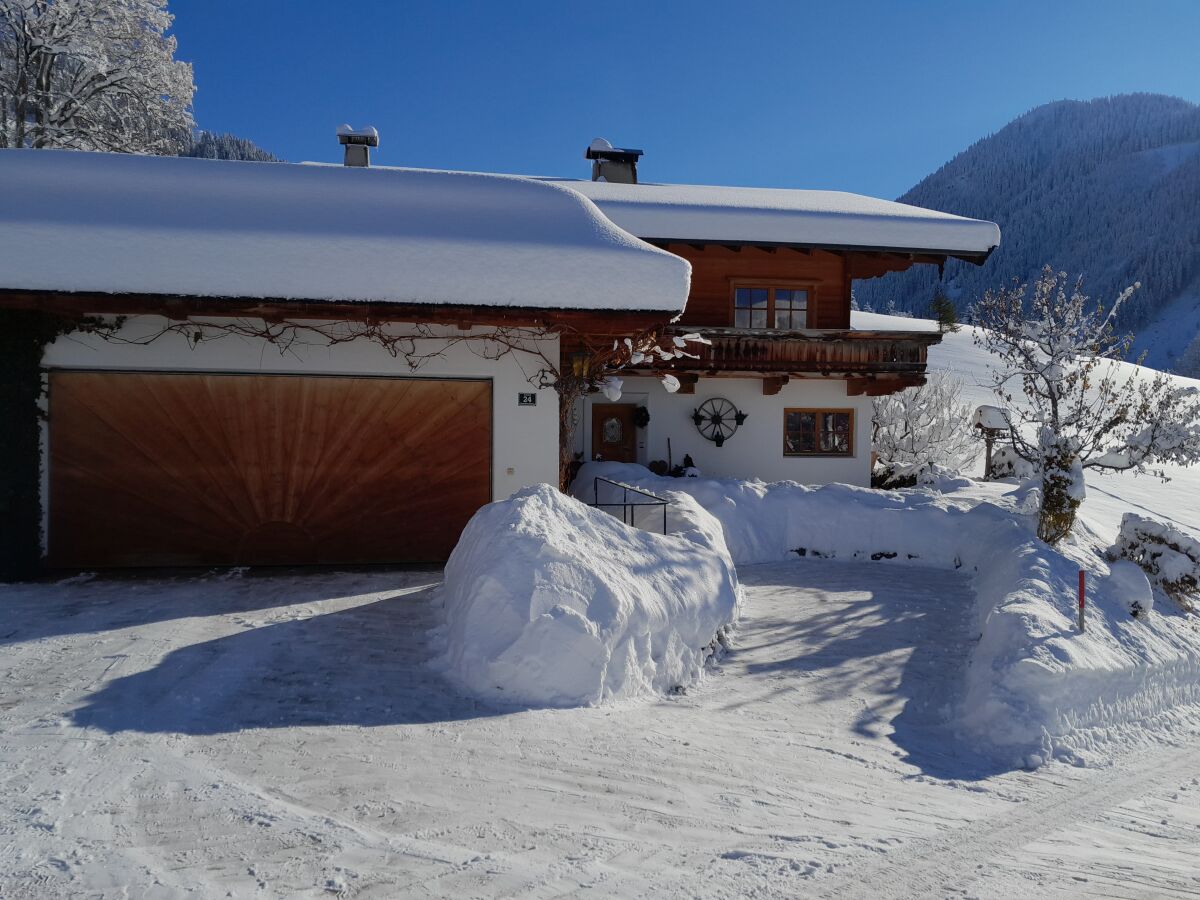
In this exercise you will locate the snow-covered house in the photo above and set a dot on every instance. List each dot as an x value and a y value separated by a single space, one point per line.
254 441
772 273
220 425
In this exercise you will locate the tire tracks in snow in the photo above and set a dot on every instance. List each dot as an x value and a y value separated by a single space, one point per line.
956 858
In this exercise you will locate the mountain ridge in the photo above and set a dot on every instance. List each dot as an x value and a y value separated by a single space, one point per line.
1108 188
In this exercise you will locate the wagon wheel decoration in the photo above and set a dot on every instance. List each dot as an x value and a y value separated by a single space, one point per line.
717 420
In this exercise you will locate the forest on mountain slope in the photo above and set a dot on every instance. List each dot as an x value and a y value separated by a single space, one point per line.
1107 188
210 145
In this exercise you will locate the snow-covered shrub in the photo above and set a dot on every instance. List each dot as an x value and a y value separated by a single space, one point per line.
551 603
1170 558
1006 464
941 479
920 428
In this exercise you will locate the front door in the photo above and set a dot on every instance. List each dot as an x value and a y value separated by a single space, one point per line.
614 437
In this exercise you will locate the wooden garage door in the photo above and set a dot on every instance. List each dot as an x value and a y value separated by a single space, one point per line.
152 469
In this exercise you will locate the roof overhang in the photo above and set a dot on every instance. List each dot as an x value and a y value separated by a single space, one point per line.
915 254
684 213
78 305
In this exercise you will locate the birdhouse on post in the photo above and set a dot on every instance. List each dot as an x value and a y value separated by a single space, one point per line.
993 422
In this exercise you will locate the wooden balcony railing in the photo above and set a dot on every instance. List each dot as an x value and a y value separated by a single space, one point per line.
821 352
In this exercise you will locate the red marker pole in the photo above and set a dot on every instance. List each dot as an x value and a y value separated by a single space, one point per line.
1081 600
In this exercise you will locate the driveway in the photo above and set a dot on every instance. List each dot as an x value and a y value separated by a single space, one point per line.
289 735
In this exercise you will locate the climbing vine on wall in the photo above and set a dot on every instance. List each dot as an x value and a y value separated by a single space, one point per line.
25 334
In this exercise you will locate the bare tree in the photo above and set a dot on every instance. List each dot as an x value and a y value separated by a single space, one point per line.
92 75
1082 409
922 427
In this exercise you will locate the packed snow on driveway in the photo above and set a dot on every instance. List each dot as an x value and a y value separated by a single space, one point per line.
267 735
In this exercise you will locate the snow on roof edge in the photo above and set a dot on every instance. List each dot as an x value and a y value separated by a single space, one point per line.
816 218
799 217
790 216
122 224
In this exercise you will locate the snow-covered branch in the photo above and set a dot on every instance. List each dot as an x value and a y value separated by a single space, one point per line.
92 75
922 427
1083 409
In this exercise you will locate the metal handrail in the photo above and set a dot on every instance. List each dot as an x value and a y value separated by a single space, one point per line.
628 506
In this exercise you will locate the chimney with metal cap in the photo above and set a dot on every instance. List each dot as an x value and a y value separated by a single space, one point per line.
358 144
609 163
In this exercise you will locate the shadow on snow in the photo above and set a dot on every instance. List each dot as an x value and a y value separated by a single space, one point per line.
366 665
91 604
895 635
858 645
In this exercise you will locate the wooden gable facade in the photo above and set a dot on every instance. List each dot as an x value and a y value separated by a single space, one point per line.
871 362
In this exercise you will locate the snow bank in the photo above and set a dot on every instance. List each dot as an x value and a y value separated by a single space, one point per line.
767 522
551 603
1036 688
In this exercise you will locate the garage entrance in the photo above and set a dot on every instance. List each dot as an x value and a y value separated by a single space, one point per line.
158 469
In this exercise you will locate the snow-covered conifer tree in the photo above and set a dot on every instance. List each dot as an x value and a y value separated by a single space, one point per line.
943 310
921 427
1083 409
92 75
1189 361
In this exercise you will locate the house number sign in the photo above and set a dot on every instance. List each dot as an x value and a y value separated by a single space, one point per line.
527 399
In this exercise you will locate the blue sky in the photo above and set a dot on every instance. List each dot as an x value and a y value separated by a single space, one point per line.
861 96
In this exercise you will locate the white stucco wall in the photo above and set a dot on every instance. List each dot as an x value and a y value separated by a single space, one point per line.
525 438
756 450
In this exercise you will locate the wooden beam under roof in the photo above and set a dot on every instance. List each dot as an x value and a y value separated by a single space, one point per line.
915 254
76 305
879 386
774 384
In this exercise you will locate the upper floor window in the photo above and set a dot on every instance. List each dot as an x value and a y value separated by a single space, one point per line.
784 308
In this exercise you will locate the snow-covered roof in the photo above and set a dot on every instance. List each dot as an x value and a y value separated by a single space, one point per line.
696 212
113 223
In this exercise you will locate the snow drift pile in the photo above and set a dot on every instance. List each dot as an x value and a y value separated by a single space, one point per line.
1035 687
549 602
768 522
